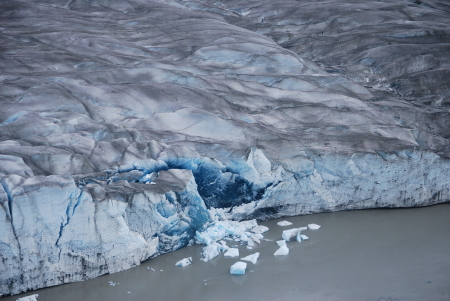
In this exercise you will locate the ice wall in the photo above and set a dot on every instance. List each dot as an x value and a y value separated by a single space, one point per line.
127 126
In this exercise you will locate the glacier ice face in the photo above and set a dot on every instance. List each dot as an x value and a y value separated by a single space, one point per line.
122 141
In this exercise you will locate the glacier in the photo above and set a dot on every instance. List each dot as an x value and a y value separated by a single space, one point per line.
128 129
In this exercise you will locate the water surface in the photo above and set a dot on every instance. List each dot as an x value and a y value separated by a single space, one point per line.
380 254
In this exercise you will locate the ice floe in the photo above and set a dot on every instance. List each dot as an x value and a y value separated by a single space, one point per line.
313 226
184 262
253 258
283 250
29 298
232 252
281 243
238 268
284 223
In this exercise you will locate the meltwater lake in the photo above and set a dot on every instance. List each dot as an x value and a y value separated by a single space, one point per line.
378 254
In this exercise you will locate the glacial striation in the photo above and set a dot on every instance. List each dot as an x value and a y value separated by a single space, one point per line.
129 127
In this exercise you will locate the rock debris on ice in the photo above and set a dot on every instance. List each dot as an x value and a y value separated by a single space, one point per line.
184 262
238 268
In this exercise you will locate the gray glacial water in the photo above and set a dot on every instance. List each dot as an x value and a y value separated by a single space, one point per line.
378 254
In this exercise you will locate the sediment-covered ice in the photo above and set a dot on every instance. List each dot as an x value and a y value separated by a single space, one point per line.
238 268
184 262
121 141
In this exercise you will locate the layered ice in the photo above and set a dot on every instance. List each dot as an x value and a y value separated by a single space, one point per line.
238 268
121 141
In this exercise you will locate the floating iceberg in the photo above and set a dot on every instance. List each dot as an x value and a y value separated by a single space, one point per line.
313 226
288 234
238 268
29 298
284 223
232 252
302 237
239 231
281 243
283 250
253 258
260 229
211 251
184 262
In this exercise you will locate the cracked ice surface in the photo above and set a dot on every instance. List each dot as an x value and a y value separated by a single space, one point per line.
126 127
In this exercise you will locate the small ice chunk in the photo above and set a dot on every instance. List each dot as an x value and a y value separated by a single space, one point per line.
238 268
250 243
128 292
313 226
184 262
112 283
304 237
283 250
284 223
232 252
260 229
249 248
29 298
211 251
160 270
253 258
281 243
288 234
